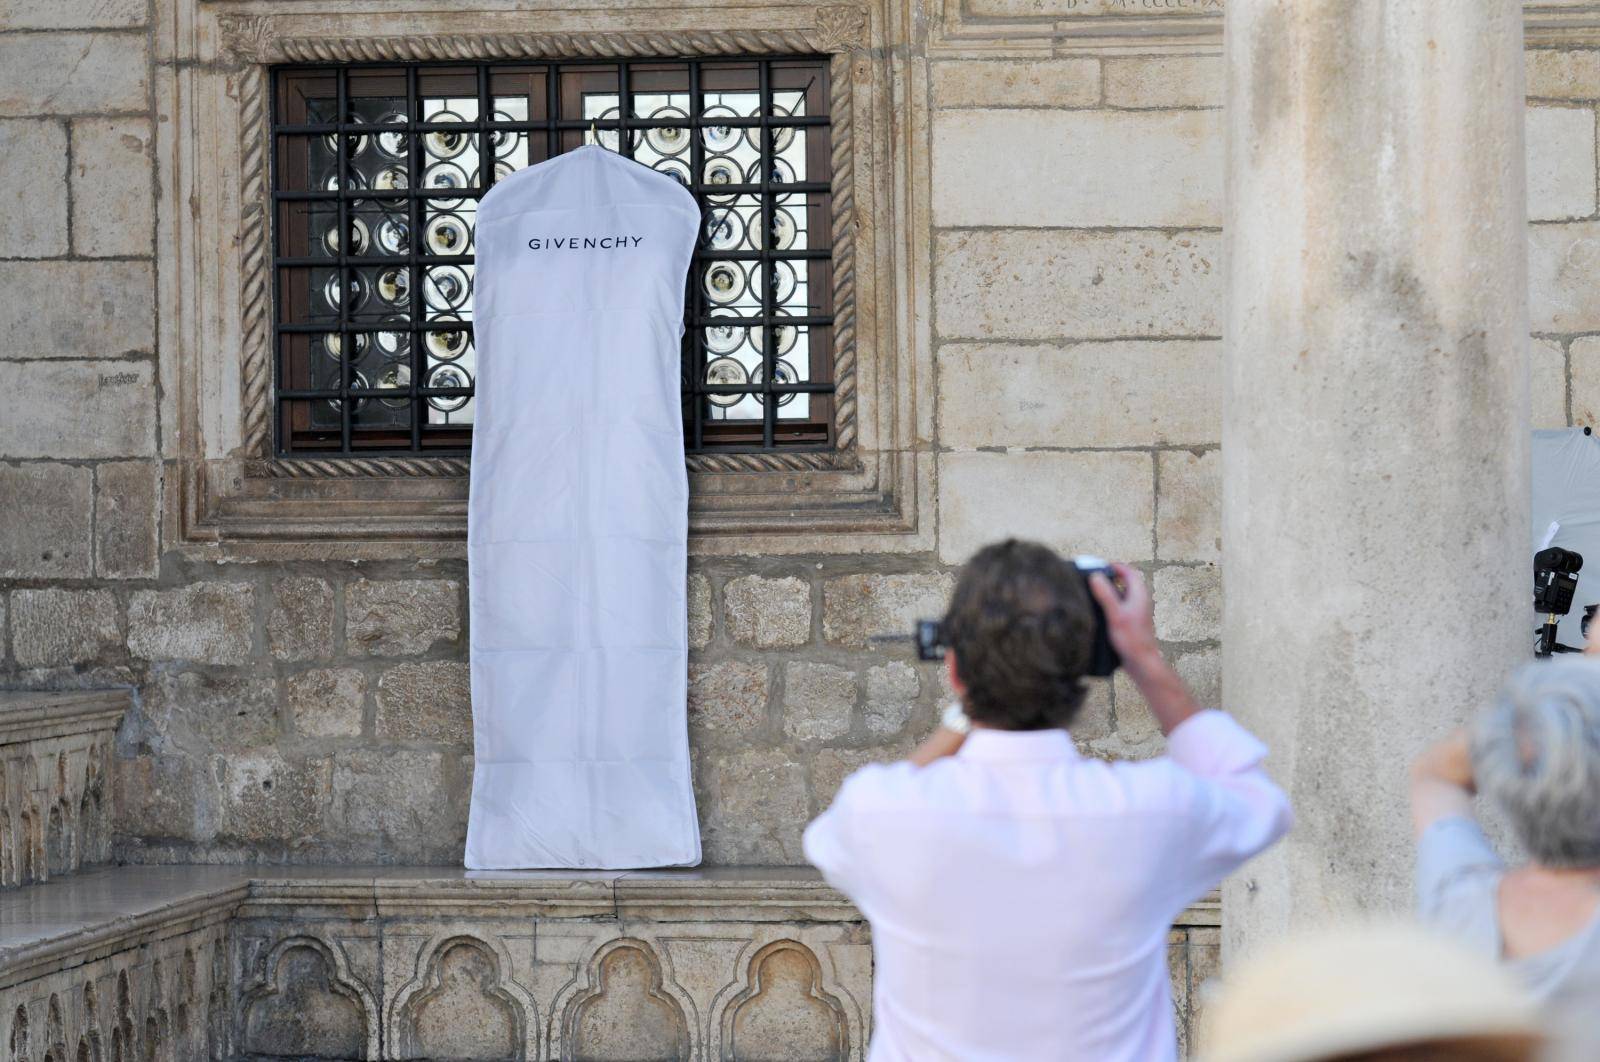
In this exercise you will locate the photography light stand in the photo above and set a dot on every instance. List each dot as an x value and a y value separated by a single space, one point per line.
1547 644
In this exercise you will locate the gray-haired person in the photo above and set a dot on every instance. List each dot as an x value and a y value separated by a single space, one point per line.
1535 754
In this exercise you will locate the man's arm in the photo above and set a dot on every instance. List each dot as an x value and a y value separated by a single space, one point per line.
1458 870
1234 809
937 745
1441 783
832 842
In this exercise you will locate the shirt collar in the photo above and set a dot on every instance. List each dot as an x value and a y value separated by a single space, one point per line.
1018 745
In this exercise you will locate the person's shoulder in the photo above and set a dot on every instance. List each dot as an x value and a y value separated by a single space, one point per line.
897 788
1457 867
1156 784
879 783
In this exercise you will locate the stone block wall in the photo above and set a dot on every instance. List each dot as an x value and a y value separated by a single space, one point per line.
316 710
1564 240
80 467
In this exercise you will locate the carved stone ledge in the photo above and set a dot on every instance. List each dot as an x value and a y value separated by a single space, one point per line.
365 517
26 717
165 998
195 962
69 923
782 894
55 790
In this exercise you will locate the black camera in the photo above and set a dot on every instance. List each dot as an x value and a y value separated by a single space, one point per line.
1103 659
1555 580
930 640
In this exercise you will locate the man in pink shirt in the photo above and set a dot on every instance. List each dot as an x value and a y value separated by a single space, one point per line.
1020 894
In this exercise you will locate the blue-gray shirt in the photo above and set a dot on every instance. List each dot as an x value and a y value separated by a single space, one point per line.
1458 877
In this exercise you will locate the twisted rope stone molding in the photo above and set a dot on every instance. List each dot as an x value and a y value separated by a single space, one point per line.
249 40
255 288
324 467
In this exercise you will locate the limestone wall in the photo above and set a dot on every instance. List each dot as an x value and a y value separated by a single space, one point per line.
1564 240
1066 285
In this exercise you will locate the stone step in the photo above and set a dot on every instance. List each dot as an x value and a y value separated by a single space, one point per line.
426 962
55 788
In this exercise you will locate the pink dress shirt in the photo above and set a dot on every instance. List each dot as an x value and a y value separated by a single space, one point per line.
1020 894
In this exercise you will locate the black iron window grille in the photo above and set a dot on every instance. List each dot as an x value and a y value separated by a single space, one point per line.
376 173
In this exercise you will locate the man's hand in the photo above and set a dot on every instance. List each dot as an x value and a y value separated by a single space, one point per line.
1130 616
936 746
1131 627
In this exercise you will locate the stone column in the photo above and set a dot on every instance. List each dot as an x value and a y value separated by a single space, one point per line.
1375 453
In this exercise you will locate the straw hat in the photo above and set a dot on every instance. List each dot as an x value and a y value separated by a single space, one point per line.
1355 989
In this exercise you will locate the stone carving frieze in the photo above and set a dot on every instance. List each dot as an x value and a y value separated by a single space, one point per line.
463 998
784 1010
55 814
477 988
299 997
246 38
452 968
623 1011
149 1001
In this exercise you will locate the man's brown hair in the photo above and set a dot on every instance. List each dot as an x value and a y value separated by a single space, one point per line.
1020 623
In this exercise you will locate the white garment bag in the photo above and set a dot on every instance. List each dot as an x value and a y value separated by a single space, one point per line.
578 520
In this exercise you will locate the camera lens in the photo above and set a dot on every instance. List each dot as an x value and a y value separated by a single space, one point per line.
1557 559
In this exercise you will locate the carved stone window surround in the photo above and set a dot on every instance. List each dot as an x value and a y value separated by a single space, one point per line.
873 491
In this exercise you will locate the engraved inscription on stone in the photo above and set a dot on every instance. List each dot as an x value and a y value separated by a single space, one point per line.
1129 7
1091 8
